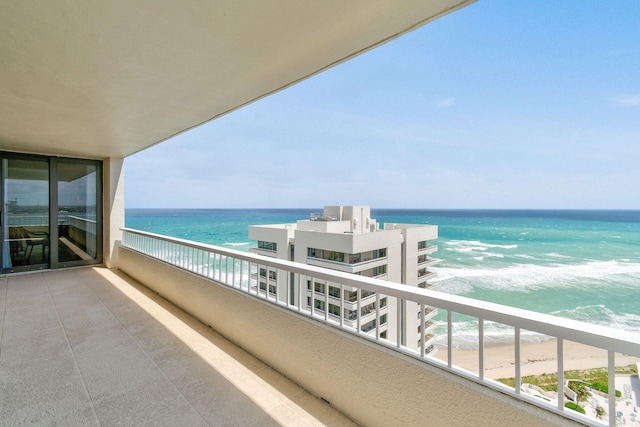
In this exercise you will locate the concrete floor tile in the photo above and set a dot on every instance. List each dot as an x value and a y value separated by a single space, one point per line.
40 345
154 402
29 320
17 298
86 320
43 392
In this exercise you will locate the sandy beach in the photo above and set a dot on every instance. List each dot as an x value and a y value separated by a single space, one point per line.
536 358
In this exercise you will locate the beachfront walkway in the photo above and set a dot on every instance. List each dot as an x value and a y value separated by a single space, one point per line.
90 346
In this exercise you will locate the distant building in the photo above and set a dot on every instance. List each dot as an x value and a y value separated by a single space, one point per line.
346 238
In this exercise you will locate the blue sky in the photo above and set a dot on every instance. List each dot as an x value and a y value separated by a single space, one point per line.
503 104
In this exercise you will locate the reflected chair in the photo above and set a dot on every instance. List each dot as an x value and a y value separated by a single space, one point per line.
35 238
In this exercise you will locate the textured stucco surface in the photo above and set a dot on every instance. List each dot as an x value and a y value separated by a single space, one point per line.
373 386
104 79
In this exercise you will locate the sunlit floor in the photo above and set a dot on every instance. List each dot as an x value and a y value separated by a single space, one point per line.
90 346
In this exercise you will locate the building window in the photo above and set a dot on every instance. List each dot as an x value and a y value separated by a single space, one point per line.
319 305
383 302
373 272
325 255
364 294
263 273
383 319
341 257
367 256
334 292
422 245
422 258
368 309
423 272
319 288
267 246
369 326
334 309
351 296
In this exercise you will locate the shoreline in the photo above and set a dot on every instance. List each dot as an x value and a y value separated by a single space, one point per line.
536 358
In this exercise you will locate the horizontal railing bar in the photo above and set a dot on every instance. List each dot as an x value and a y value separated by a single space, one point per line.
563 328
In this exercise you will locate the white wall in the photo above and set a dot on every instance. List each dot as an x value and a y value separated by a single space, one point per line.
113 209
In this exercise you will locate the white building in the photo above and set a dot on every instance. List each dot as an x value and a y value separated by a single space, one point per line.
346 238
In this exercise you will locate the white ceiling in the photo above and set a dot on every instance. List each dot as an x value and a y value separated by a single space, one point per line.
108 78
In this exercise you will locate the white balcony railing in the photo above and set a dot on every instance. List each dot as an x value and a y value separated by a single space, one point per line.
235 269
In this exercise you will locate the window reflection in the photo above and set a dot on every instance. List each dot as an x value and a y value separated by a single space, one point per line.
77 197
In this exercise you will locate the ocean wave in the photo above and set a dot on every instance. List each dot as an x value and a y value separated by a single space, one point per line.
557 255
528 277
493 255
465 333
236 244
525 256
601 315
466 245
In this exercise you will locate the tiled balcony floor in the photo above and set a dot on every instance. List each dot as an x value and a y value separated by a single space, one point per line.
90 346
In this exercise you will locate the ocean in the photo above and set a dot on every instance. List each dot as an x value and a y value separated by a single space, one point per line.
582 265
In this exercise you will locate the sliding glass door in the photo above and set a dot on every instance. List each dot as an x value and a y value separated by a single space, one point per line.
51 212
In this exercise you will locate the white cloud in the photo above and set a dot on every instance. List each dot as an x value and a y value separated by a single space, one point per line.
446 102
628 100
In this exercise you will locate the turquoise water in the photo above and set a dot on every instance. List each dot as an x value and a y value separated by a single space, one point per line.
583 265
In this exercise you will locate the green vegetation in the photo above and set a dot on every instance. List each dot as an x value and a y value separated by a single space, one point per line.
595 378
575 407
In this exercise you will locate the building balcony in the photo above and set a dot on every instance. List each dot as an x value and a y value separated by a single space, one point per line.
264 252
425 285
425 274
425 261
91 346
214 285
429 249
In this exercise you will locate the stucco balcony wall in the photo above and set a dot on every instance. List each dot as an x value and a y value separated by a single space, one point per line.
372 385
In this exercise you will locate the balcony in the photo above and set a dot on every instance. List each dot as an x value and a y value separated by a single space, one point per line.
425 274
425 261
91 346
214 284
427 249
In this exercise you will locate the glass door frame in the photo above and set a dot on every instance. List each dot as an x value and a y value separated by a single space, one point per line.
53 252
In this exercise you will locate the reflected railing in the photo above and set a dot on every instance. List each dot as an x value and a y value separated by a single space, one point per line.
83 232
237 270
